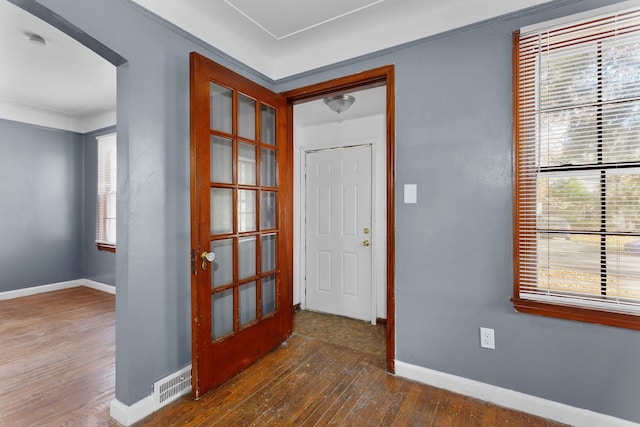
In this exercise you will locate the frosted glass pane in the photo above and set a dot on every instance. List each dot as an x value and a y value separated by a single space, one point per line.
246 117
221 211
268 255
268 125
246 257
267 210
246 210
221 160
221 99
246 164
222 266
247 307
221 314
268 167
268 295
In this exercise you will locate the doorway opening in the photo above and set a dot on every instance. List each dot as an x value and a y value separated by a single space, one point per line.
379 79
59 114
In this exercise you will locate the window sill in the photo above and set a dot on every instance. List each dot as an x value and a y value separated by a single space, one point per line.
105 247
621 320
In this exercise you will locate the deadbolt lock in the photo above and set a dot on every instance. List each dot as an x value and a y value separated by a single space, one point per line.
366 231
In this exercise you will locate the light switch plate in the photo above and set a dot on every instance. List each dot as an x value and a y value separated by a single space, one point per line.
411 193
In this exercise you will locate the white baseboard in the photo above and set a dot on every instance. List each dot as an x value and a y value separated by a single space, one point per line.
110 289
127 415
18 293
40 289
510 399
165 391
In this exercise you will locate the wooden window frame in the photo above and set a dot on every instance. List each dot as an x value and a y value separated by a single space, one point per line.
565 309
105 247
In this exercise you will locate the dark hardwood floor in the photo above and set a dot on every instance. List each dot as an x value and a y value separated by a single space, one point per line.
57 358
57 369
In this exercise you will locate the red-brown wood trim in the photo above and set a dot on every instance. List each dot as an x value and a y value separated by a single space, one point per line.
381 76
105 247
363 80
391 218
622 320
285 184
515 111
194 62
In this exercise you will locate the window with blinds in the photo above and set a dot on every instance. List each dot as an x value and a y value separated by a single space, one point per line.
106 200
577 170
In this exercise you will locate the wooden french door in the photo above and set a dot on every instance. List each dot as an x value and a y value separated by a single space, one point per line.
241 189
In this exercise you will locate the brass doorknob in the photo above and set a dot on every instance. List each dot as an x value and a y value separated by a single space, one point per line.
207 256
365 243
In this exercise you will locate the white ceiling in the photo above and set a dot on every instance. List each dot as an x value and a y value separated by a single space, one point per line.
65 85
325 31
62 85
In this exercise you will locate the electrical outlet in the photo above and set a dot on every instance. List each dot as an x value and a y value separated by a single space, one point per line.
487 338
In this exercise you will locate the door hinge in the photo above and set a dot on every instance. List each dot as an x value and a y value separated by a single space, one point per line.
193 261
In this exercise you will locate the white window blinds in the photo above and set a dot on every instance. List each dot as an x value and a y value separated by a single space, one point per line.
106 200
577 164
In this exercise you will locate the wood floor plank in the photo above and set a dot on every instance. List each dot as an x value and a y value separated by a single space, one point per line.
399 392
349 399
340 385
410 408
57 364
58 358
273 403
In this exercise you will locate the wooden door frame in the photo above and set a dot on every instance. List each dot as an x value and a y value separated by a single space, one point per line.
382 76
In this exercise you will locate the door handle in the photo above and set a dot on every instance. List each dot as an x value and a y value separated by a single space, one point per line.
365 243
207 257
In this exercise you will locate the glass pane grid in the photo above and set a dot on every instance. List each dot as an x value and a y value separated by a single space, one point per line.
243 161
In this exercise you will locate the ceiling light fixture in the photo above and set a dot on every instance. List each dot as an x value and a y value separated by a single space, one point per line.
339 103
37 40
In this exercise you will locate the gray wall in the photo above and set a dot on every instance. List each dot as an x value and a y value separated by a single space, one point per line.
98 265
40 205
453 139
153 327
47 215
454 248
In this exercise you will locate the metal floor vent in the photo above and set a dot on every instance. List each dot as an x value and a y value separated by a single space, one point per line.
171 387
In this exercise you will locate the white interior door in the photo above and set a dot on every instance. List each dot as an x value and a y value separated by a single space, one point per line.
338 236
